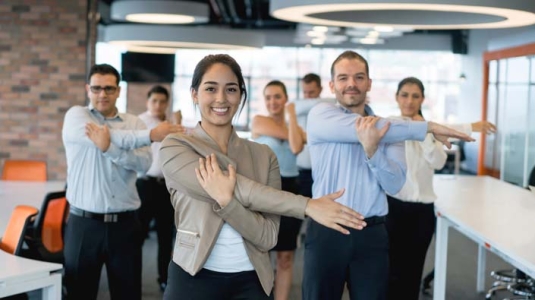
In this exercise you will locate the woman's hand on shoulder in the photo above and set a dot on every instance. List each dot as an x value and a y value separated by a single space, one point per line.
217 183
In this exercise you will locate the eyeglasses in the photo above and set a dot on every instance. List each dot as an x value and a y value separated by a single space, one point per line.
109 90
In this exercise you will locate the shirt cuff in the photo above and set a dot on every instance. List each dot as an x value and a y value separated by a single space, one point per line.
224 212
377 160
418 130
144 137
113 151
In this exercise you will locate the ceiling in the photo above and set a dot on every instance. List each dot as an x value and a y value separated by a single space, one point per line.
238 14
255 15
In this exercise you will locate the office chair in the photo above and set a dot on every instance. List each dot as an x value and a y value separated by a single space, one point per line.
45 239
14 234
24 170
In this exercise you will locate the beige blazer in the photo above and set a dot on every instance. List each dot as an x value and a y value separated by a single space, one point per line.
253 211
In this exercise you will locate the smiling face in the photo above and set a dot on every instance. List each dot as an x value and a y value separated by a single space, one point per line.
102 101
409 99
275 100
350 84
218 96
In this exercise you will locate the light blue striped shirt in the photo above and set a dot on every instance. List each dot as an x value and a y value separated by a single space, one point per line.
339 161
105 182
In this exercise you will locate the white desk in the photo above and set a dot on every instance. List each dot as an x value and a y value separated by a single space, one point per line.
18 274
13 193
497 215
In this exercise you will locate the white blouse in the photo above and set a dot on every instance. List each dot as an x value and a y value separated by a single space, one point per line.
423 158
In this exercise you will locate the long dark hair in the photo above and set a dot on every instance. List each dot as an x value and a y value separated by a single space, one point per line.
415 81
212 59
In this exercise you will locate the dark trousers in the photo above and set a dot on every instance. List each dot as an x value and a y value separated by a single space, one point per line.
209 285
91 243
289 227
156 204
410 229
305 182
333 259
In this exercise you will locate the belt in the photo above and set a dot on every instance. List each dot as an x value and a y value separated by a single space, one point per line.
106 218
375 220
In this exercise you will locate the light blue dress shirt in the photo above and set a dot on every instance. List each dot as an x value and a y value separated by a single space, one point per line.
105 182
302 108
339 160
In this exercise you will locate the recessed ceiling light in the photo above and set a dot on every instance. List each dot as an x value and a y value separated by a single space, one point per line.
160 18
368 41
160 12
320 28
383 28
317 41
419 14
373 34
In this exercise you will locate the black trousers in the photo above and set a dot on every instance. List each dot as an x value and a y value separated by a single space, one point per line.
410 229
333 259
210 285
156 204
289 227
305 182
91 243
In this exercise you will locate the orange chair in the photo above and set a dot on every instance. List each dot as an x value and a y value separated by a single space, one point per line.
24 170
14 234
45 240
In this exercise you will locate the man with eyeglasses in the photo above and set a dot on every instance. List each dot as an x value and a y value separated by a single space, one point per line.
105 150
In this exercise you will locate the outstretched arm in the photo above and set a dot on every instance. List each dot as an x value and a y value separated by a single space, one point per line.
138 160
386 161
179 155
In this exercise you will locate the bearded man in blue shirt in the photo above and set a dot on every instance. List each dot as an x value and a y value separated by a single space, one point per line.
351 148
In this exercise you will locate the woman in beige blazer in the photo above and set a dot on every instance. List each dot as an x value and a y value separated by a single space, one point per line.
228 220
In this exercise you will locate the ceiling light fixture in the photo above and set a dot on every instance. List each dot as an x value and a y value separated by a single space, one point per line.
383 28
368 41
167 38
419 14
160 12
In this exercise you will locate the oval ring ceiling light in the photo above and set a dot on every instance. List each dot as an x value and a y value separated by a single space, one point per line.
168 38
160 12
419 14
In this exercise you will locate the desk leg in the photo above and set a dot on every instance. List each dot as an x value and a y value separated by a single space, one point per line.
481 268
441 258
53 292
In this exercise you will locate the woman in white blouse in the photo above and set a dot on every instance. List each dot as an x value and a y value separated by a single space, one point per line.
411 218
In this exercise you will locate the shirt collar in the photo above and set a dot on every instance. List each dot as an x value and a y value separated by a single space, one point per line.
367 109
97 113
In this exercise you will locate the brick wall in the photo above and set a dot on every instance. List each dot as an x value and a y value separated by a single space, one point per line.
42 74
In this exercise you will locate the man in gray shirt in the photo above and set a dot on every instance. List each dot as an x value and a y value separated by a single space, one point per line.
105 149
